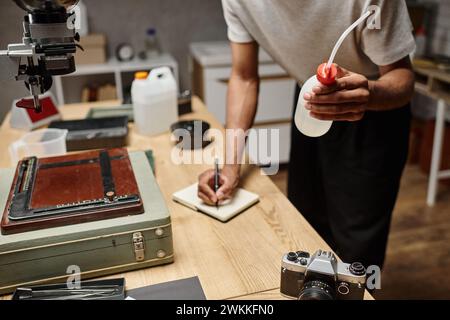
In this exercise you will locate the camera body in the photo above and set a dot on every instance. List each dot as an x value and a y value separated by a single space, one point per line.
321 277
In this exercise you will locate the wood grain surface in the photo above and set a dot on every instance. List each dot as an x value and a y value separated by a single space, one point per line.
240 258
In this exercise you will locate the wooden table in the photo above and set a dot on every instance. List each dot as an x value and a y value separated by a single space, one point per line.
435 84
235 260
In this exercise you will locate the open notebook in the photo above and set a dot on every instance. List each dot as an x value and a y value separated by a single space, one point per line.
241 201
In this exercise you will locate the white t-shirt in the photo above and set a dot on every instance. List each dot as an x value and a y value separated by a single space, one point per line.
300 34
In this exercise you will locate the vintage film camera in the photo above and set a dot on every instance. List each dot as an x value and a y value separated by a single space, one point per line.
321 277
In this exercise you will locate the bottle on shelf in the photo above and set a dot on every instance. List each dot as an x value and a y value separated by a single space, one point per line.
152 48
421 43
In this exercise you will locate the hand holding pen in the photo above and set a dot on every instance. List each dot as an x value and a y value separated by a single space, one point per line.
216 180
211 192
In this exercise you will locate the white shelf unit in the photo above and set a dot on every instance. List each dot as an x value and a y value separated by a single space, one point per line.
116 70
210 66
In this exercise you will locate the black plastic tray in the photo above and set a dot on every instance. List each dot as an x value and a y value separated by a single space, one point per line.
88 134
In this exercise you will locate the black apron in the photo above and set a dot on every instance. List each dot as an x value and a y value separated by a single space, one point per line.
346 183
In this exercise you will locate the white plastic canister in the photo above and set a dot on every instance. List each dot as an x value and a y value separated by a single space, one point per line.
154 98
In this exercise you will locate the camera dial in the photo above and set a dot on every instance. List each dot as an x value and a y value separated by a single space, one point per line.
303 254
292 256
357 269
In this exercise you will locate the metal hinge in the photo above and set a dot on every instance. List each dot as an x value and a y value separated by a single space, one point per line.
139 246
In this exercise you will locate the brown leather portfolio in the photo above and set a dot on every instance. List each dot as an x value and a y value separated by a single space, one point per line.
72 189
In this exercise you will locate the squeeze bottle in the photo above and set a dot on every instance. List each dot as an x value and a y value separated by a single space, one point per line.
326 75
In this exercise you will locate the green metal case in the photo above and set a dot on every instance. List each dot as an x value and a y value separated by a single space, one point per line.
96 248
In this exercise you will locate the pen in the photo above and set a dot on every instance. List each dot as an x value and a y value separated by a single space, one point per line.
216 181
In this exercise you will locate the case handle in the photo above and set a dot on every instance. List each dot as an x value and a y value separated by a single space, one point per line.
159 73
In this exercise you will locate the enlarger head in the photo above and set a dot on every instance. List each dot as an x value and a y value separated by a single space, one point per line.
44 5
48 46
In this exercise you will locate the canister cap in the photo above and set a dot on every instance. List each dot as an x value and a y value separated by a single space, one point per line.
141 75
327 76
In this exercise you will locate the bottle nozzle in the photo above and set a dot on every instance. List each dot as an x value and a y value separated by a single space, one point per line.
345 34
327 75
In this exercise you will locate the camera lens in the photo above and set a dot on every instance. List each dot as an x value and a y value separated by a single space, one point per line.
316 290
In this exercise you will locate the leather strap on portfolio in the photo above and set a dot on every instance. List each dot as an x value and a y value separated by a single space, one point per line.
73 189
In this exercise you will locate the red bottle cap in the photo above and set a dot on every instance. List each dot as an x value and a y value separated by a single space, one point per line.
327 76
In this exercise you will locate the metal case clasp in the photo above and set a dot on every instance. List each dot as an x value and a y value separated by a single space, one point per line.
139 246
